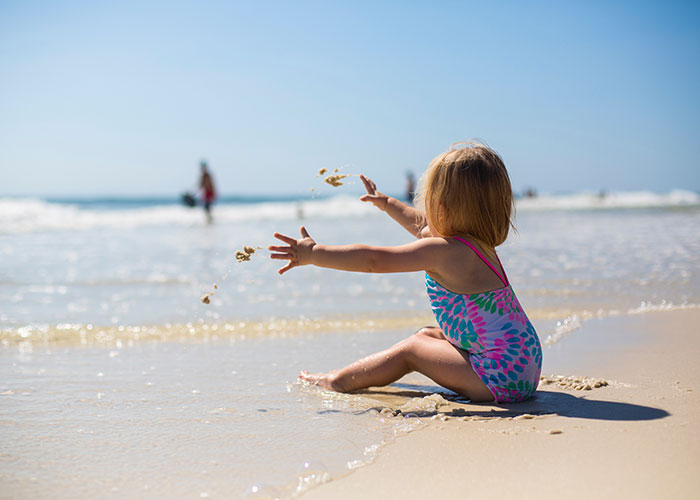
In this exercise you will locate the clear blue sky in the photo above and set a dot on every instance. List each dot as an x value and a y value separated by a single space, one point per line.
127 97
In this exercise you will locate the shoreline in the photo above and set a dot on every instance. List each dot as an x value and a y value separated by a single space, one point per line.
634 437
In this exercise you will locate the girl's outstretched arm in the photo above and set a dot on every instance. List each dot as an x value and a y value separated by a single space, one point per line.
422 255
410 218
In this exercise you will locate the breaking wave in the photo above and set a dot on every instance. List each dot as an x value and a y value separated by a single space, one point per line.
24 215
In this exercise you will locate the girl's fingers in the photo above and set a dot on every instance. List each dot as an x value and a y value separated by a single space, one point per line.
274 248
284 238
369 185
304 233
281 256
286 268
371 198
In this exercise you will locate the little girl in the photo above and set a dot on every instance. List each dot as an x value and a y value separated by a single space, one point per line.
485 348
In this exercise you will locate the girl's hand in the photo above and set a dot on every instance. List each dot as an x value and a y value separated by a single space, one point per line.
298 252
378 199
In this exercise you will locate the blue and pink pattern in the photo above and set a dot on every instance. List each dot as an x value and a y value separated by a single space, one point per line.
503 347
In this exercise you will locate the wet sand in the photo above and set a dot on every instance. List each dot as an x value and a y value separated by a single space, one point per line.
637 436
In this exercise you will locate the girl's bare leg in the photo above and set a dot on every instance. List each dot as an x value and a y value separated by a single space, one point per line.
427 352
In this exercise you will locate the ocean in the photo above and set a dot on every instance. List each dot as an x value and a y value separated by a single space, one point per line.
117 381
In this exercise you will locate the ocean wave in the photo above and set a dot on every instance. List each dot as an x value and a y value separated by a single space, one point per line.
24 215
612 200
31 215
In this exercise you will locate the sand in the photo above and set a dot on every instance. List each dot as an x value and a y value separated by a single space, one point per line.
336 180
244 255
241 256
634 436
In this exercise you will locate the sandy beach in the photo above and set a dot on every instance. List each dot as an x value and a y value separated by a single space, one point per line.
636 437
116 381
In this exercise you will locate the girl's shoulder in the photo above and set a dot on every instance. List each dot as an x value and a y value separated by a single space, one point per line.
461 247
442 248
447 253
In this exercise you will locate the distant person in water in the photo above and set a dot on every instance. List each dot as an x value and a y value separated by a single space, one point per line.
530 193
206 186
410 187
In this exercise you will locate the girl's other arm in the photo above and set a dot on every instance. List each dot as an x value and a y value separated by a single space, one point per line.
410 218
416 256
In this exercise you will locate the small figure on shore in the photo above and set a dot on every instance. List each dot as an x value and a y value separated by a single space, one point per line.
206 186
485 347
530 193
410 187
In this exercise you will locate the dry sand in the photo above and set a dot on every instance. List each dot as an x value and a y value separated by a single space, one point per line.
637 437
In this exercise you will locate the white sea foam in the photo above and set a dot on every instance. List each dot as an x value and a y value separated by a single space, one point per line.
592 201
647 307
562 329
23 215
575 322
30 215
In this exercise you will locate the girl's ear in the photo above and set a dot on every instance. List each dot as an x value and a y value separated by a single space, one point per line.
441 212
437 218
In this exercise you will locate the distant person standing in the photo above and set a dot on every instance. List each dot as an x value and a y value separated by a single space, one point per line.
530 193
410 187
206 186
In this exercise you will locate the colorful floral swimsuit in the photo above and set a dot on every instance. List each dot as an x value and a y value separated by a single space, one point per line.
503 347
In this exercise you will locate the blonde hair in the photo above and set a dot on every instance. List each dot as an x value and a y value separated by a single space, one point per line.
467 191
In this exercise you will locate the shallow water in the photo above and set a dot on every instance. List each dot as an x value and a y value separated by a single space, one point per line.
180 420
117 381
561 263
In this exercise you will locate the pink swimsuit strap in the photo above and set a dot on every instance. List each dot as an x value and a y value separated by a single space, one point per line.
503 278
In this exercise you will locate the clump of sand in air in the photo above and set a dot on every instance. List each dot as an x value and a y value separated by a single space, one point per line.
335 179
244 255
241 256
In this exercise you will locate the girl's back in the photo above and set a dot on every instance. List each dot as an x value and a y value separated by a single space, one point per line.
463 272
490 325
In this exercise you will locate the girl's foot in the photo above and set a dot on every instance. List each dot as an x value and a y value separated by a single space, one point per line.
324 380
